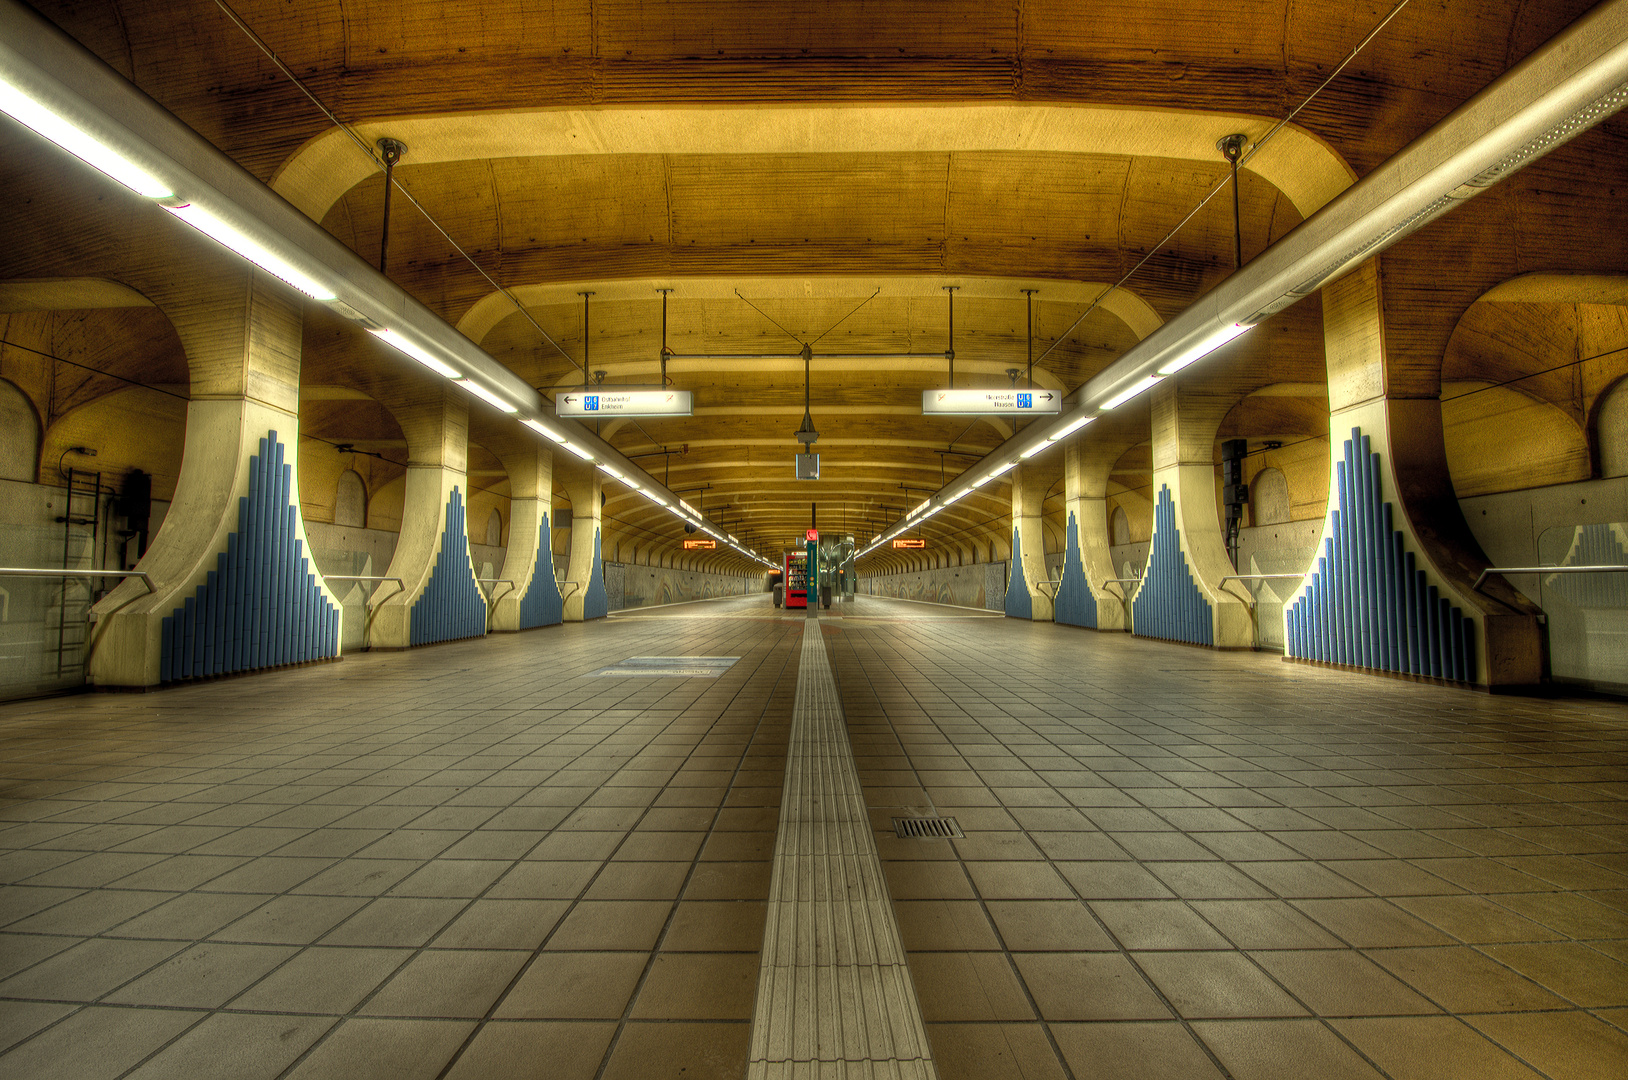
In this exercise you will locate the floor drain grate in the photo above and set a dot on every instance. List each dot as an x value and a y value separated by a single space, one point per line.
926 828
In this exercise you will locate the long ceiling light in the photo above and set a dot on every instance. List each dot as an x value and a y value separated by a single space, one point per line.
63 92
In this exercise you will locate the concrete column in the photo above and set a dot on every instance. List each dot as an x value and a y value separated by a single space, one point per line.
535 598
1391 588
233 585
1180 597
1082 599
1025 599
583 486
440 599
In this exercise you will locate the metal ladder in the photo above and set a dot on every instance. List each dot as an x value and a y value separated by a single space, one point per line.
82 509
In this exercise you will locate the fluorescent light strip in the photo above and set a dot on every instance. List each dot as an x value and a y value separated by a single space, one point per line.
224 232
607 469
1204 348
417 352
486 396
577 450
1125 395
39 118
1070 429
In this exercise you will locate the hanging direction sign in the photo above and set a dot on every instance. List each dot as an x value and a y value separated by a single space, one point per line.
910 542
700 545
605 402
989 400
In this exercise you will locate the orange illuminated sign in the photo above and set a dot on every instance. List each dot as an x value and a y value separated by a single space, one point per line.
910 542
700 545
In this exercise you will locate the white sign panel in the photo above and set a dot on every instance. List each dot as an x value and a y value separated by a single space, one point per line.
984 402
603 401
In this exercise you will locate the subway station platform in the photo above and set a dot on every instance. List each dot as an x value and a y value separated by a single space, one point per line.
486 860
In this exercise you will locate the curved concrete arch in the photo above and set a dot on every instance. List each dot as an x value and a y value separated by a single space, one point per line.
1299 163
67 294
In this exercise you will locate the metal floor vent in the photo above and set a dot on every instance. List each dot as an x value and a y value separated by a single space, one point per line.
926 828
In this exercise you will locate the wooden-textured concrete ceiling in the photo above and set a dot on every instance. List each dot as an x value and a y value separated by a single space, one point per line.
1005 212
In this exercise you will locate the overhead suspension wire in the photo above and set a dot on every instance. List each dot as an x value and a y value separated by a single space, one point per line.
361 144
1226 179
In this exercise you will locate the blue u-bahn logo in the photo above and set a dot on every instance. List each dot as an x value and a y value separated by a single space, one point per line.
1025 401
591 403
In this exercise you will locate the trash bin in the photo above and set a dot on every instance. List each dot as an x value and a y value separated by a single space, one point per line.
779 593
825 596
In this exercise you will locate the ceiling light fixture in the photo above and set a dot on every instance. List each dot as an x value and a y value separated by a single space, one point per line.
422 355
43 120
1132 391
229 235
487 396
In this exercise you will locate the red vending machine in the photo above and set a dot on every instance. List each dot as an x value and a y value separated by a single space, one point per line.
796 579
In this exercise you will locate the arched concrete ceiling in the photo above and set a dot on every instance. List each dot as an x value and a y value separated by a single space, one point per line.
807 155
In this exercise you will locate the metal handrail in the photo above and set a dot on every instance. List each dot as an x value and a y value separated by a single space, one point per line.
576 587
1250 600
372 601
1120 581
493 598
30 571
1050 581
1615 569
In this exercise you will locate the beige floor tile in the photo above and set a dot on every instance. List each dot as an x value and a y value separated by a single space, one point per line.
1048 926
738 847
323 980
1113 881
981 1051
612 925
191 916
1341 982
944 926
239 1046
1483 875
20 1019
1206 880
577 847
1157 924
206 976
1133 1051
574 986
452 878
996 847
1464 980
973 986
661 846
698 986
395 921
1213 985
1372 923
1081 846
1567 871
90 912
544 881
1088 986
446 983
1575 916
291 920
679 1051
357 877
88 970
20 951
1430 1048
729 881
1018 881
1302 880
534 1050
502 924
366 1049
269 874
1283 1050
639 880
95 1044
1264 924
716 926
927 881
1565 1045
1576 972
1476 920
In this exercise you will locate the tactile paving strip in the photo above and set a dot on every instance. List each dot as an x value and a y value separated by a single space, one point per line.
834 998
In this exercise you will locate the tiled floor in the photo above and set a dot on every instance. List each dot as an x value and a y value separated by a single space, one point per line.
464 861
473 861
1181 863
